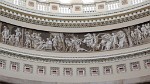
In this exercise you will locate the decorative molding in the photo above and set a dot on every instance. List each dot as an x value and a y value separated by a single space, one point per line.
2 64
94 71
121 68
107 70
14 66
42 6
27 56
41 70
79 71
74 23
147 63
68 71
28 68
135 66
54 71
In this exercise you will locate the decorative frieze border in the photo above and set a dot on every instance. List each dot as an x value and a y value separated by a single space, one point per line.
74 23
62 42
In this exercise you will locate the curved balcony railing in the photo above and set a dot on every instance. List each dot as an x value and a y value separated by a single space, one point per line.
74 23
56 15
69 9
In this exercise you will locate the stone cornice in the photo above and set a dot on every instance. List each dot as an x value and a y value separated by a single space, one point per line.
74 16
41 58
80 23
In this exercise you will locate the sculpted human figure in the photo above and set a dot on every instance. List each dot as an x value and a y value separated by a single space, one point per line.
144 31
109 41
47 45
40 44
12 39
106 42
133 37
122 39
55 41
103 43
96 45
35 39
91 40
148 28
27 40
77 43
138 35
5 35
114 40
58 41
88 39
69 45
17 36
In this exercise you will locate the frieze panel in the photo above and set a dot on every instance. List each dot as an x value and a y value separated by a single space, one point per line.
75 42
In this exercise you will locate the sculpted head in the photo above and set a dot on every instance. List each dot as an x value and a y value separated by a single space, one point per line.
5 27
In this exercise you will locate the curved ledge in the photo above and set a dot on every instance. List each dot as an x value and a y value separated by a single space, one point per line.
75 30
108 71
78 57
76 22
74 16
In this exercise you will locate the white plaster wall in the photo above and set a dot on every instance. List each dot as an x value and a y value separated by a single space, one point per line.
74 78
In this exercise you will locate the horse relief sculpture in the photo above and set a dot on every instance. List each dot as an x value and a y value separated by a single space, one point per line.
76 42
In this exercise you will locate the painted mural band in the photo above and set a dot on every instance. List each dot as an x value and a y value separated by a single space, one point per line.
75 42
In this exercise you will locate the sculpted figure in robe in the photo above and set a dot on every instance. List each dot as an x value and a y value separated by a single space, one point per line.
106 42
91 40
122 39
17 36
69 45
114 40
77 44
144 31
27 40
12 39
138 35
47 45
5 35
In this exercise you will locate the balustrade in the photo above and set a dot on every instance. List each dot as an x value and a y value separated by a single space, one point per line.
68 9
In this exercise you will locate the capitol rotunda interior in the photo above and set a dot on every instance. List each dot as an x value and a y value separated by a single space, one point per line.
74 41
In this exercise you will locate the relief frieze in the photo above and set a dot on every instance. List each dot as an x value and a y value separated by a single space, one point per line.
75 42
